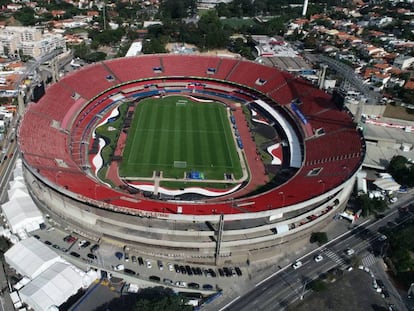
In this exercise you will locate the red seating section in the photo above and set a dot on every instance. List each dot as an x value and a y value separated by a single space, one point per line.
58 154
88 81
133 68
56 104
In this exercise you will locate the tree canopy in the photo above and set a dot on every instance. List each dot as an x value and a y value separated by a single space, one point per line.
402 170
175 9
319 237
26 16
370 206
160 299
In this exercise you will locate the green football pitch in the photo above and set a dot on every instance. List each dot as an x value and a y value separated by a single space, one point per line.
177 135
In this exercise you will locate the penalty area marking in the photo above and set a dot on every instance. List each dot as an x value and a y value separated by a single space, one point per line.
180 164
181 102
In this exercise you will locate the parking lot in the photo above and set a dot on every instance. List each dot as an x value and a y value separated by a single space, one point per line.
137 268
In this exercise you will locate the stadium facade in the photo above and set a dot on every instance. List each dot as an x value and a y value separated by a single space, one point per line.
322 151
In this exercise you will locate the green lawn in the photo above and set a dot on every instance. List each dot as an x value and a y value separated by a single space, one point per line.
163 131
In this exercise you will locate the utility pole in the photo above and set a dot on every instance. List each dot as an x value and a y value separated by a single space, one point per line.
219 238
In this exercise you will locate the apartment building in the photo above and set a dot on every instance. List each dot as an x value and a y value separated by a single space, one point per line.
30 41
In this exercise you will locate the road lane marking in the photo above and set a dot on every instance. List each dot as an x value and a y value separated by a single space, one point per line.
231 302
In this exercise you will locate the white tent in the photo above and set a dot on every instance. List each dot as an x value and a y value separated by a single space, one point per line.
18 171
14 185
21 212
30 257
387 184
52 287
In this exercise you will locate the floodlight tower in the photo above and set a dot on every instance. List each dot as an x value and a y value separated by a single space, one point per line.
305 7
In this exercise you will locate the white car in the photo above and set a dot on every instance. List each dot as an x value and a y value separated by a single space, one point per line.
170 266
318 258
297 264
393 200
382 237
119 267
149 264
81 243
350 251
180 284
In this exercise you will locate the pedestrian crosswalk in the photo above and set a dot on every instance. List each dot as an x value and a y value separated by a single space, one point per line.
369 260
334 257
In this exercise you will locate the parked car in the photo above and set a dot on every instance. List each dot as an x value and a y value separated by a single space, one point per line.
212 272
170 267
129 271
168 282
180 284
238 271
81 243
221 272
208 287
91 256
119 267
154 278
74 254
86 244
140 261
149 264
193 285
94 248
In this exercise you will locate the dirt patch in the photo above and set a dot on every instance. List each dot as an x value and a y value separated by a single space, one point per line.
352 291
398 112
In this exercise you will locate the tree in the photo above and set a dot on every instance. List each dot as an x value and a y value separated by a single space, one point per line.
316 285
160 299
106 37
81 50
26 16
211 31
402 170
95 57
152 46
319 237
370 206
176 9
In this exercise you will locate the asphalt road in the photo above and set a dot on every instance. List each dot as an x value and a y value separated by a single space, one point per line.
288 285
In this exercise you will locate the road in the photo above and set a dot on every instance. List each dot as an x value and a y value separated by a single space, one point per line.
288 285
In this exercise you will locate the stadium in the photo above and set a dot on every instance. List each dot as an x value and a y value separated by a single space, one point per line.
192 158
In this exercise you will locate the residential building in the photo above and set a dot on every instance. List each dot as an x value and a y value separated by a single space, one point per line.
29 41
